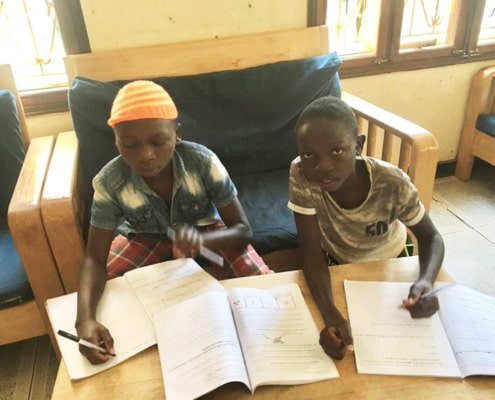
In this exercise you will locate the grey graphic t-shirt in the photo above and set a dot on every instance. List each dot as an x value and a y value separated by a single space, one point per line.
375 230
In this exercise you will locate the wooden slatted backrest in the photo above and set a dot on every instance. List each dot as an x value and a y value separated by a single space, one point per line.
400 142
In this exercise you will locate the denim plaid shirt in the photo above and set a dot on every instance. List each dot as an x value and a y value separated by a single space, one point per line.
122 200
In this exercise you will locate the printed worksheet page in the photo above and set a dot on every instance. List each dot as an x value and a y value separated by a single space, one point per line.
388 341
198 346
278 336
469 320
119 310
129 302
162 285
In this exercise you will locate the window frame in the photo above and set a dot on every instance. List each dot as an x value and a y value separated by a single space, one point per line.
387 58
464 36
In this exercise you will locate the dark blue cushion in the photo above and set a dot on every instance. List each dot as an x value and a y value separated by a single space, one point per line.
486 123
11 148
14 285
245 116
264 198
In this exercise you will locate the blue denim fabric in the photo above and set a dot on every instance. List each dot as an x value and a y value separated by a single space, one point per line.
123 201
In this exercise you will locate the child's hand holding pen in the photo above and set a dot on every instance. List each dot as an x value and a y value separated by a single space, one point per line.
422 301
188 243
94 353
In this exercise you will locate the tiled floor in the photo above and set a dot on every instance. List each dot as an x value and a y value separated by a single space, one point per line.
464 213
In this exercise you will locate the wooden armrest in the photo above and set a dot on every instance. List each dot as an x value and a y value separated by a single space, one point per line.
21 322
26 225
418 147
62 208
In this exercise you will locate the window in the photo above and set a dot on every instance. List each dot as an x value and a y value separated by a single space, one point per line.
30 42
35 35
353 26
377 36
425 24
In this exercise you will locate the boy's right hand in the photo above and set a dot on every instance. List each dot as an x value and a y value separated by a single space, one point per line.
187 243
94 332
337 339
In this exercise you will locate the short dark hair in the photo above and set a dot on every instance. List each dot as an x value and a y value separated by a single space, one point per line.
331 108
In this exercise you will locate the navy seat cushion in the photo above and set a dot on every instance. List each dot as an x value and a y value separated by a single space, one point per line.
245 116
11 148
264 197
486 123
14 285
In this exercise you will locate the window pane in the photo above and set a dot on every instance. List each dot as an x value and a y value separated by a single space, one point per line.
30 42
353 25
487 31
425 23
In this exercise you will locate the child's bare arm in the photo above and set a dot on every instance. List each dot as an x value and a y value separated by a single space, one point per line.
237 234
431 253
92 282
336 337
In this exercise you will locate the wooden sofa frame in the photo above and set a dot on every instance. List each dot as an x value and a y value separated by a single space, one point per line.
390 137
475 143
30 319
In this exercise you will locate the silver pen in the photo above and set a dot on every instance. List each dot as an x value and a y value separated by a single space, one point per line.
433 292
204 251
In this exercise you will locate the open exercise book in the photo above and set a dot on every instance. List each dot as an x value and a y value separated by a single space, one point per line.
207 336
458 341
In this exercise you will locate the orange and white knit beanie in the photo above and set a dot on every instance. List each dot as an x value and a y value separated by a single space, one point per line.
140 100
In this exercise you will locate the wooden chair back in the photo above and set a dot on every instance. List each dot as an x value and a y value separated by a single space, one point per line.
475 143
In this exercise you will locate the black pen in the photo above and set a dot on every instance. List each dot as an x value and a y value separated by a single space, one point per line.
81 341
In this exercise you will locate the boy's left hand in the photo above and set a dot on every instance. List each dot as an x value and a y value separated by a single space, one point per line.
337 339
417 306
187 242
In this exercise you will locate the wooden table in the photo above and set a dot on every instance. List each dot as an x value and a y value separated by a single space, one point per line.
140 377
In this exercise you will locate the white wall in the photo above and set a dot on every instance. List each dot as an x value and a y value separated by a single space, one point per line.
128 23
433 98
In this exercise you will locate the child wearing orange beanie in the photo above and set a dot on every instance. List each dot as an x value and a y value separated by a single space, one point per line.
159 183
